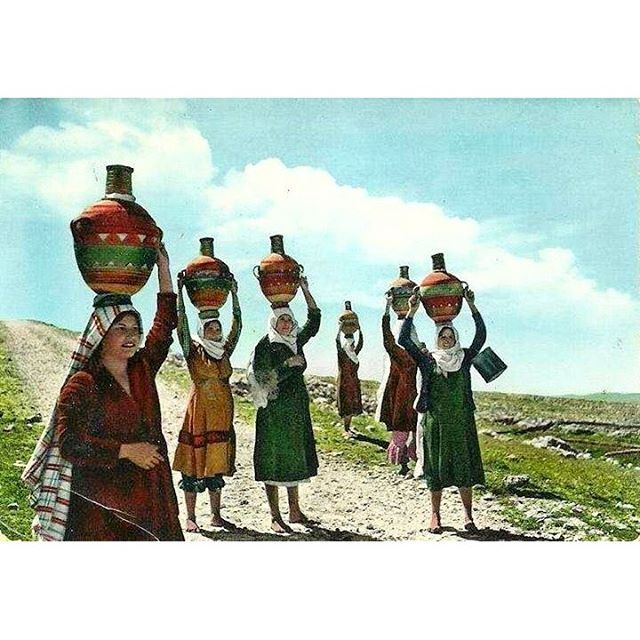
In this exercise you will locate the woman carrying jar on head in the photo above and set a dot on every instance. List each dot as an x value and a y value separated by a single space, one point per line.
101 469
285 448
451 448
206 443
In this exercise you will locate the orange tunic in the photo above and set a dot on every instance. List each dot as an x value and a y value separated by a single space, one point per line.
207 443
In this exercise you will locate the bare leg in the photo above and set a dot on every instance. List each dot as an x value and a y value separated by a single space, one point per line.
190 501
295 514
277 523
466 495
347 427
435 526
215 496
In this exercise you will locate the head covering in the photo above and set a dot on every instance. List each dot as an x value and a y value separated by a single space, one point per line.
291 340
448 360
348 345
48 474
214 348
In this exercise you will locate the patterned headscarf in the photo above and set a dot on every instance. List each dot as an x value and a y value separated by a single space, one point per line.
48 474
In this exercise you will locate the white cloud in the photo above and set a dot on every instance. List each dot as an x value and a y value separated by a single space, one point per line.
269 197
64 167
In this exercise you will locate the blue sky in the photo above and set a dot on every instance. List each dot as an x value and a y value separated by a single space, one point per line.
534 202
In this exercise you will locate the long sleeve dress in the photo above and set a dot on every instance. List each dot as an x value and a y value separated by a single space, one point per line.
285 448
112 498
396 410
207 443
348 392
451 448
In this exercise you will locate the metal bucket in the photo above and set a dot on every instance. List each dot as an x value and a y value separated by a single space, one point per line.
488 364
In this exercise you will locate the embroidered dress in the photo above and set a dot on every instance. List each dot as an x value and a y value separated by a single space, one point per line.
112 498
285 448
207 443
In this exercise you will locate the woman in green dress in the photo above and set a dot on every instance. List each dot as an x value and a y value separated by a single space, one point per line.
451 448
285 448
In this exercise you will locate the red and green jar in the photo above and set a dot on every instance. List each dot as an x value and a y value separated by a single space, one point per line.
207 280
441 292
278 274
115 240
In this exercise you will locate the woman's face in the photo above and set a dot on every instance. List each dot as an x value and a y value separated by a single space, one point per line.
446 339
122 339
284 324
213 331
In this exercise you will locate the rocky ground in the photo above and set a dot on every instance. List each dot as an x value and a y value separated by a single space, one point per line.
351 501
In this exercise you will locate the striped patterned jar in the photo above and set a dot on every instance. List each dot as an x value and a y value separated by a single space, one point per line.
115 240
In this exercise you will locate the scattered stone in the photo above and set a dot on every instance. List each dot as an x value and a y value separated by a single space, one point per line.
512 456
36 417
576 429
9 428
13 506
19 464
515 482
550 442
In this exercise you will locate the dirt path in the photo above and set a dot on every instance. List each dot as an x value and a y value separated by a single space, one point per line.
351 501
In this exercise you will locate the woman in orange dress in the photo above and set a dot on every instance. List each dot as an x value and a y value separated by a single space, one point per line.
206 444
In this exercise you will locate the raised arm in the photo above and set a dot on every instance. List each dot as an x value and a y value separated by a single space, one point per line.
405 341
184 333
360 342
388 340
236 325
405 334
156 346
312 325
481 330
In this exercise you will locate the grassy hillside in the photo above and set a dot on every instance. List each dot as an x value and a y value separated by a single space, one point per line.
17 439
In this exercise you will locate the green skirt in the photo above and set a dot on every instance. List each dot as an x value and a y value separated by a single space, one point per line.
285 449
451 448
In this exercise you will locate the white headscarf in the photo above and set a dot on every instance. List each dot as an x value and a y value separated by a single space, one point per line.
291 339
214 348
47 474
448 360
348 345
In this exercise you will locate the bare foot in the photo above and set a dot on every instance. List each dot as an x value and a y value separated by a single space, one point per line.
348 435
300 518
191 526
218 522
435 526
278 525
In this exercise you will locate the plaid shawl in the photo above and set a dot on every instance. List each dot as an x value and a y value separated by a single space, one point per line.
48 474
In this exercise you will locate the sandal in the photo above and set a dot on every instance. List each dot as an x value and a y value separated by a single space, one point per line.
471 527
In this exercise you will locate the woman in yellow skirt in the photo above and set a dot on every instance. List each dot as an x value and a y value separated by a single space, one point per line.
206 444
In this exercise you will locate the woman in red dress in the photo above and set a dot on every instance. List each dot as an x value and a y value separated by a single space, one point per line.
348 392
108 426
397 395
